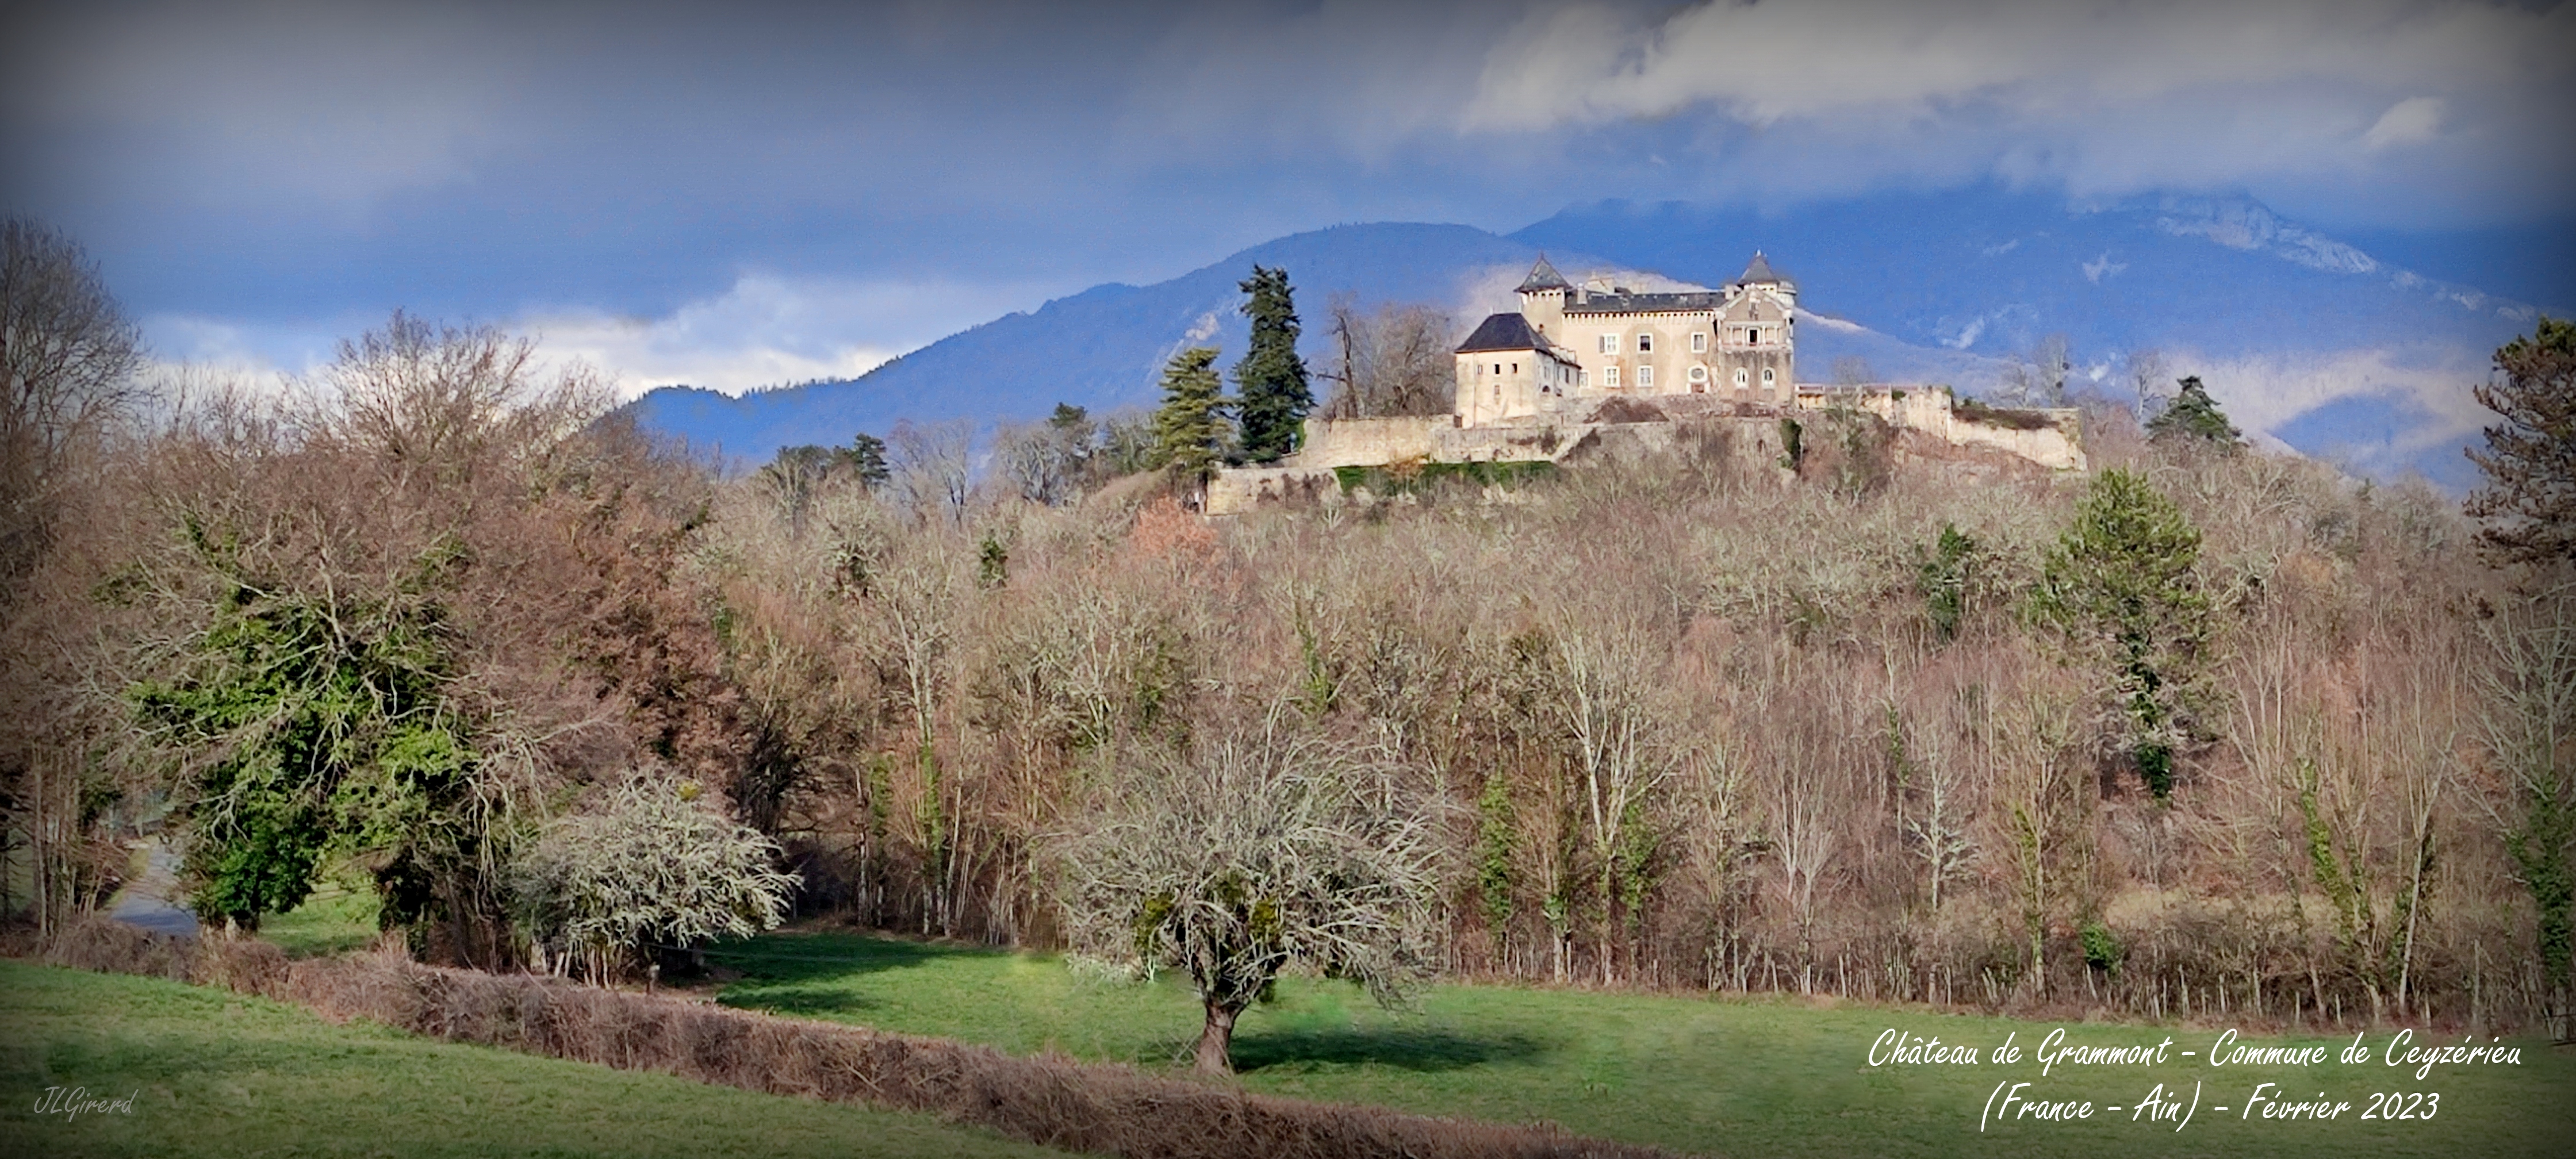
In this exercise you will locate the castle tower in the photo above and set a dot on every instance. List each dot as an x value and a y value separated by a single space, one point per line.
1543 299
1759 273
1757 336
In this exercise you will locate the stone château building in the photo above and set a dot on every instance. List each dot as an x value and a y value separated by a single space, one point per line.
1575 345
1601 371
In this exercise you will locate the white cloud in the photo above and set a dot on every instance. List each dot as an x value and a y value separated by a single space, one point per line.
2102 267
764 331
2267 393
1768 62
2105 95
769 331
2412 121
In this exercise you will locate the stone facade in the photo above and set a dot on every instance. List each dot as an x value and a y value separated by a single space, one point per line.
1572 345
1599 371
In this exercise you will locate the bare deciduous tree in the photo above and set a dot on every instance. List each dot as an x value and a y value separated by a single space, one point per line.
1047 461
1616 752
68 357
1389 363
2037 377
1261 853
934 467
2530 735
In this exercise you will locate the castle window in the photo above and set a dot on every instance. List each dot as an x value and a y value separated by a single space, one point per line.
1516 368
1609 344
1739 376
1766 376
1699 342
1610 377
1645 377
1582 378
1645 344
1699 374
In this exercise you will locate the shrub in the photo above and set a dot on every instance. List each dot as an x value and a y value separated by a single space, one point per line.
654 866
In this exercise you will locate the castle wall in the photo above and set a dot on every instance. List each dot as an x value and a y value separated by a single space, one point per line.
2058 446
1370 442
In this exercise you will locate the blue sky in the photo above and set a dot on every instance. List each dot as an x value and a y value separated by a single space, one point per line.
745 194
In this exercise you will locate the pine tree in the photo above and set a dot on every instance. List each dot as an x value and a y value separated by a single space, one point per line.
2529 501
2122 585
1190 425
1270 382
2193 416
866 459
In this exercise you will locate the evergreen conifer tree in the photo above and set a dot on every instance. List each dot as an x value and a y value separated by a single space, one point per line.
2193 416
2122 585
2529 501
1189 427
1270 382
866 459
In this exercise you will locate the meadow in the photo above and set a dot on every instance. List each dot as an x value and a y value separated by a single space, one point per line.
215 1073
1736 1076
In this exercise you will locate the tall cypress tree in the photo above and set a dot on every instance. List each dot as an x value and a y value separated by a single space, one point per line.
1189 427
1270 382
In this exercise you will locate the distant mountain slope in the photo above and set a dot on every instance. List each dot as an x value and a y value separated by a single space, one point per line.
1990 270
1103 348
2298 334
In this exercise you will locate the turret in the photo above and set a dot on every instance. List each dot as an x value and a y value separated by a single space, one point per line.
1543 298
1759 273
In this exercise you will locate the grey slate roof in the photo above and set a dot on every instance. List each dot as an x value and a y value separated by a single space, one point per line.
1543 277
1761 271
1644 303
1503 332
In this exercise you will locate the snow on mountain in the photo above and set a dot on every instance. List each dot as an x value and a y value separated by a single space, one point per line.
2300 335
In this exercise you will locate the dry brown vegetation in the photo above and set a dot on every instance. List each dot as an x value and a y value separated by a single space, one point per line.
1690 725
1699 729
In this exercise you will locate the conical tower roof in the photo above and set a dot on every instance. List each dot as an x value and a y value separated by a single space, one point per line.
1761 271
1543 277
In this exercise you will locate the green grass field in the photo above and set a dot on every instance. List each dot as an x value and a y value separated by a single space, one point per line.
339 917
1759 1077
217 1074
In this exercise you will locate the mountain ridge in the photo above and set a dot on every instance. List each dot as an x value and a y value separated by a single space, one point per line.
1937 287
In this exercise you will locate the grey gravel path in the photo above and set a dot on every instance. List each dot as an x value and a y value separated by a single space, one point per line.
146 901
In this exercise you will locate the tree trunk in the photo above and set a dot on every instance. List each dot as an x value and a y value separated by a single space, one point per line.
1216 1042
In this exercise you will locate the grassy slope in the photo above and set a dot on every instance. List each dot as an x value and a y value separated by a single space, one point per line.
1737 1077
339 917
219 1074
